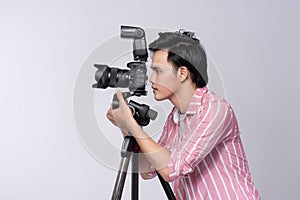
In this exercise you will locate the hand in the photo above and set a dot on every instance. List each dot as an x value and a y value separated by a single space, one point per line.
110 117
122 116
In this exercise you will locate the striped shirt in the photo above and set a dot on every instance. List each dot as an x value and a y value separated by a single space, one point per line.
207 156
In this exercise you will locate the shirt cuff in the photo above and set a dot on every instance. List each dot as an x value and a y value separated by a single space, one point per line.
151 174
172 172
182 171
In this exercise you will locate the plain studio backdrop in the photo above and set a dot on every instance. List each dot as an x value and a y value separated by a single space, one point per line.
44 49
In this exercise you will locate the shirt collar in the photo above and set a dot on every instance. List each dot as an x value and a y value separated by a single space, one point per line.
196 100
194 103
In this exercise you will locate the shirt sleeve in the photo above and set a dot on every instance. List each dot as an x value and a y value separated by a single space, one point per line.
152 173
162 141
205 130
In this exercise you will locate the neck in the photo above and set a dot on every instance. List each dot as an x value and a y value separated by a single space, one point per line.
181 99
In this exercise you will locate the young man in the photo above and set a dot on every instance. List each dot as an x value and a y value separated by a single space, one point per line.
200 149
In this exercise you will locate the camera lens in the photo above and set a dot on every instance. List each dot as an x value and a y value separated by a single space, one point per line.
111 77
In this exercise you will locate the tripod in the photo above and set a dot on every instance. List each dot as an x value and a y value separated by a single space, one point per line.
130 147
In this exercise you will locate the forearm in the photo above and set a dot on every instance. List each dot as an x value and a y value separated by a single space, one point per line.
146 171
155 153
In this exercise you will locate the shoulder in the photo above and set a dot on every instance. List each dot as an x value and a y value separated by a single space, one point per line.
204 96
209 101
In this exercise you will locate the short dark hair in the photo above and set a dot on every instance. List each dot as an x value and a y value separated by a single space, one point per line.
184 50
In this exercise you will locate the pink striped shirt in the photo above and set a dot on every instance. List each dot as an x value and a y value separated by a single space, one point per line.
207 156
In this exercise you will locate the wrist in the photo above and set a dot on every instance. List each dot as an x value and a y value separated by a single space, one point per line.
132 125
136 130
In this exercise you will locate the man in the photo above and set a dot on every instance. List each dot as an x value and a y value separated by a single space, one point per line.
200 149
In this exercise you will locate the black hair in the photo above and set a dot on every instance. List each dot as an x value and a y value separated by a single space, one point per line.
184 50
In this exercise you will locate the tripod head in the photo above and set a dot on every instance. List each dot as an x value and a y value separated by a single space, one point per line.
141 112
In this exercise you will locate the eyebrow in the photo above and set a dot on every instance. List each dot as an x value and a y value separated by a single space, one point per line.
154 67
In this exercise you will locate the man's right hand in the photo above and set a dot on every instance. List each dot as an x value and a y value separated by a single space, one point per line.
110 117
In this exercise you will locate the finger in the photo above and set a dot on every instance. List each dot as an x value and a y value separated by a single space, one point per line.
109 112
120 97
109 115
110 108
111 118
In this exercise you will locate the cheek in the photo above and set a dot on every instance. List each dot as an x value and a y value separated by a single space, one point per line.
167 86
163 92
166 79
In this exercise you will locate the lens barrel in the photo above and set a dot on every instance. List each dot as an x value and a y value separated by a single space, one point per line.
111 77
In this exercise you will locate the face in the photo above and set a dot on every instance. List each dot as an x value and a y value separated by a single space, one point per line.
164 79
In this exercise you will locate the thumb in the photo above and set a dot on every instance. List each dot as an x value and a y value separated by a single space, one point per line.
120 97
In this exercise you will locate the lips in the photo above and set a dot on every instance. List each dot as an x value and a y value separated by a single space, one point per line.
154 89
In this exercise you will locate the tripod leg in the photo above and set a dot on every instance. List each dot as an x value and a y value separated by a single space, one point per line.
120 180
135 177
167 187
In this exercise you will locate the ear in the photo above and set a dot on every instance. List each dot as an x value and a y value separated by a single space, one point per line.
183 73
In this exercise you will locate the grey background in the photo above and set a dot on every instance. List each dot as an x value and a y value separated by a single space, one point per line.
43 45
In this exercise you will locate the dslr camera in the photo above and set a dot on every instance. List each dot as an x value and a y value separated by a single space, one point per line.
135 78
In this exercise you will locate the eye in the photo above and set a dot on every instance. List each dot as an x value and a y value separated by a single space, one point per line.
156 70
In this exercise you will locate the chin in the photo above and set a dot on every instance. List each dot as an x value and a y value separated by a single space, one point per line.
158 98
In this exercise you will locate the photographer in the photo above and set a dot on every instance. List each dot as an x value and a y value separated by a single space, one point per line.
200 150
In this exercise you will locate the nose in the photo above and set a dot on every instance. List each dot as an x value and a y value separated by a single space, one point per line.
151 78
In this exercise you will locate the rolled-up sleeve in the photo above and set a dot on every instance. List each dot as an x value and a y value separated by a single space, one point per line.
202 133
162 141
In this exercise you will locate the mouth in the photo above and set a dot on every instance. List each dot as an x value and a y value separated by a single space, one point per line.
154 89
